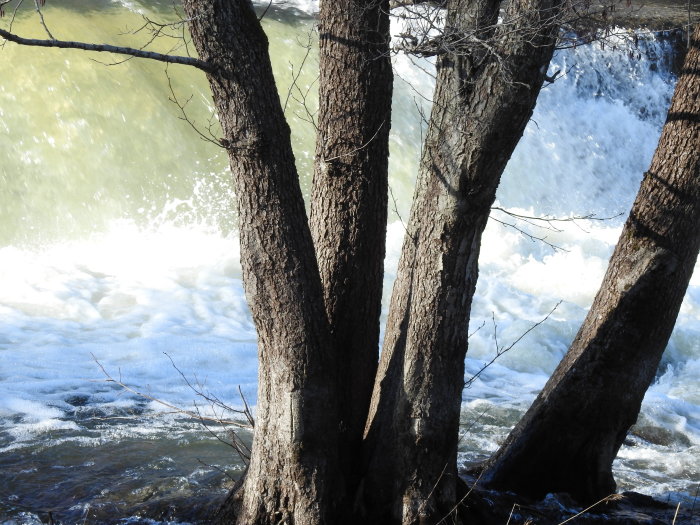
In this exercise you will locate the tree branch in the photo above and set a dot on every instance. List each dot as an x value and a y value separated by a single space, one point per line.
194 415
500 350
41 17
138 53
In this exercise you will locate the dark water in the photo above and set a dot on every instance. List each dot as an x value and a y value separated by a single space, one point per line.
179 473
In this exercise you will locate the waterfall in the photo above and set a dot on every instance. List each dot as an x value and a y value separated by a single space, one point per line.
118 244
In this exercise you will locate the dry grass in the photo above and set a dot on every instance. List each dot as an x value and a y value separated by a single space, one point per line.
611 497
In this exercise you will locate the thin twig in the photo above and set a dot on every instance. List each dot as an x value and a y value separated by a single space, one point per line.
473 423
209 397
606 498
236 442
530 236
295 77
675 515
265 11
3 4
359 148
502 350
185 117
462 500
476 330
549 220
14 16
432 490
41 17
511 512
177 409
217 468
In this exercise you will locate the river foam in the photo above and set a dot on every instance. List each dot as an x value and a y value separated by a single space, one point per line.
129 257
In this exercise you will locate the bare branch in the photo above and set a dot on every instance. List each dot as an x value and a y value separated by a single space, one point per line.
295 92
14 15
549 220
236 442
181 106
295 77
213 400
359 148
396 209
219 469
189 413
265 11
545 223
530 236
460 502
3 3
500 350
107 48
41 17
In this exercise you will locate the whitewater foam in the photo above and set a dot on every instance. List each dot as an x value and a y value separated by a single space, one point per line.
129 282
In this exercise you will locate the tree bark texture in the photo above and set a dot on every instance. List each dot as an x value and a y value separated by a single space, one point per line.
349 202
567 440
293 466
488 80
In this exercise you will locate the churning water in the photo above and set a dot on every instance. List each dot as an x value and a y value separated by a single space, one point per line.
118 244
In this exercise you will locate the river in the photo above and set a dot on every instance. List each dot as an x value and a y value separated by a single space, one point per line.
118 251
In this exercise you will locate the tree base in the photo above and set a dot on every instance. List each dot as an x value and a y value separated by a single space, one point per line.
228 511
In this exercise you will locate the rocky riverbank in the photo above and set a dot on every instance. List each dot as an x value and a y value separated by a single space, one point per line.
628 508
672 20
655 15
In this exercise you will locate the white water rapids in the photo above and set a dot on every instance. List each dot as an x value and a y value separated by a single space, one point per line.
118 241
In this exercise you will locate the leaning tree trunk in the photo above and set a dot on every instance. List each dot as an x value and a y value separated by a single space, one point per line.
293 467
567 440
487 84
349 203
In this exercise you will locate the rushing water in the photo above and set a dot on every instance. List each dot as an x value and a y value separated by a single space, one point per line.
118 245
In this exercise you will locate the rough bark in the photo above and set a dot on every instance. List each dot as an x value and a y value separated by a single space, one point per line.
294 456
484 96
567 440
349 202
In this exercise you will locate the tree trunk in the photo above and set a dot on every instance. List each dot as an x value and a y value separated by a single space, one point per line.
567 440
349 203
293 468
484 97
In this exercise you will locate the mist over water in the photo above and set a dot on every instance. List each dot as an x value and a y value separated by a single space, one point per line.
118 244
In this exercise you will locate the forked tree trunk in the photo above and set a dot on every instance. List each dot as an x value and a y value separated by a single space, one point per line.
293 468
484 97
349 202
567 440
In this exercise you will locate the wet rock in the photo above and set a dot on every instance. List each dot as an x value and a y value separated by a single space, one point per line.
77 400
488 507
660 436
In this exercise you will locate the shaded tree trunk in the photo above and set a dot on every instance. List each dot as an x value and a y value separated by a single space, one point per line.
349 201
293 469
484 97
567 440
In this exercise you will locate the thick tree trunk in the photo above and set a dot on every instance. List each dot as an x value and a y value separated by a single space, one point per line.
292 472
484 97
567 440
349 203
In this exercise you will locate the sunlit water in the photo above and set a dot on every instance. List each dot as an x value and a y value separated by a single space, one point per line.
118 245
